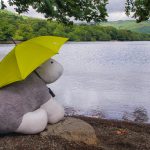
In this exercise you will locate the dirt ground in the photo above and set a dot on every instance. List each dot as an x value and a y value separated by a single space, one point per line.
111 134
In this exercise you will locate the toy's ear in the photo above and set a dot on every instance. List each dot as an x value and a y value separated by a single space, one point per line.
50 71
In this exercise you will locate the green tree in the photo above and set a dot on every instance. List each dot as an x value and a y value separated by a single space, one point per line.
139 8
25 31
63 10
6 31
84 10
59 30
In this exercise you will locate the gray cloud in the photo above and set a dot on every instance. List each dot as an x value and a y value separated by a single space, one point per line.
116 10
116 6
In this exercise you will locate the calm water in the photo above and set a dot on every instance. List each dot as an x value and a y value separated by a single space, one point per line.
107 79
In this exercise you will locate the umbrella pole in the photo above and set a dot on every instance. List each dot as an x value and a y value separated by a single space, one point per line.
13 40
51 92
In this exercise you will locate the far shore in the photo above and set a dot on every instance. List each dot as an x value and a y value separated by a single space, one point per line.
11 42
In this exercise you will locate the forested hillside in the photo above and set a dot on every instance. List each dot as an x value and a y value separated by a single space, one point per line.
142 27
23 28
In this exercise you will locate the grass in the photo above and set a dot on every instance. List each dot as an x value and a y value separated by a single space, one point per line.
143 27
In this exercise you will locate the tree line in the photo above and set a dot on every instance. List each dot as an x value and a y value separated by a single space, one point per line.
24 28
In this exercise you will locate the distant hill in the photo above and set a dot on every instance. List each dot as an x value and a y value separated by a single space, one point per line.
22 28
143 27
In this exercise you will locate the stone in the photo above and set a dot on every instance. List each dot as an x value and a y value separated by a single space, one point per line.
73 129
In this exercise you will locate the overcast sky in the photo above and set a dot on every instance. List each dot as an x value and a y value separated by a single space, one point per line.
115 10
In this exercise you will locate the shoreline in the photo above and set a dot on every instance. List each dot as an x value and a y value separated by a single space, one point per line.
17 42
111 135
10 42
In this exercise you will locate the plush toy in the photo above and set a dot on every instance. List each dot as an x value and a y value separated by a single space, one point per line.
27 106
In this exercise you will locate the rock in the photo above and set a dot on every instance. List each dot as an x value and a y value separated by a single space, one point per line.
73 129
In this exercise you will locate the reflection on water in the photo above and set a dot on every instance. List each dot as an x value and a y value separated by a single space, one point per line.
138 115
105 79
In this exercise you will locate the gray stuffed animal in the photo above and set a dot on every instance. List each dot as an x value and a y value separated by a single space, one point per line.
27 106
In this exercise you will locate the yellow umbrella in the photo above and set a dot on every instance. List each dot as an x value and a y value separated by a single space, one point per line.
27 56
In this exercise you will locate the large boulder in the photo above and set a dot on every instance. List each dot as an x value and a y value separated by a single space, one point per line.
73 129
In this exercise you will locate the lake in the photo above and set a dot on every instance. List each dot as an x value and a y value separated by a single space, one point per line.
104 79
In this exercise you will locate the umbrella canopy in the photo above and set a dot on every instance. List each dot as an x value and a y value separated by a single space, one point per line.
27 56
